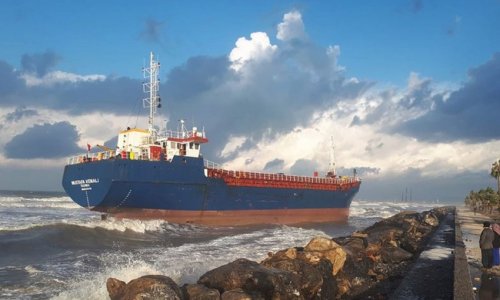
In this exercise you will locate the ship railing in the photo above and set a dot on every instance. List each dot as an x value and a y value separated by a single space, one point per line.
88 157
219 172
183 135
211 165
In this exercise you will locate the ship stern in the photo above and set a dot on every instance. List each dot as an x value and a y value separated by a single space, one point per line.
88 183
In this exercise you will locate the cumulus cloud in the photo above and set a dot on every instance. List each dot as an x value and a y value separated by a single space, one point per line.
257 48
259 89
44 141
292 27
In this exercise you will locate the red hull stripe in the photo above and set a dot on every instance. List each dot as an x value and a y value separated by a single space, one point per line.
235 217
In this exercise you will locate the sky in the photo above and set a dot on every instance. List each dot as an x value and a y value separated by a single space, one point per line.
409 90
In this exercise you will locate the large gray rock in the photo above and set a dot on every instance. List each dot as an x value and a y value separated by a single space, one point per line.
254 279
199 292
239 294
395 255
145 287
311 279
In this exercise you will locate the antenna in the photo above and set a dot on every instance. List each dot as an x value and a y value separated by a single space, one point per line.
332 159
152 88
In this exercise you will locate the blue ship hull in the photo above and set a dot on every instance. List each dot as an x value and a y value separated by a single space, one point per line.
179 191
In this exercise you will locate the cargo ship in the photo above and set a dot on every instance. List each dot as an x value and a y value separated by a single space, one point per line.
163 175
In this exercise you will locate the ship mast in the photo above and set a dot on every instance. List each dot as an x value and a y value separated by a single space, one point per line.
331 171
152 88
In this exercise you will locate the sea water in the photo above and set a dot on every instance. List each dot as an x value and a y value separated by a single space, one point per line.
52 248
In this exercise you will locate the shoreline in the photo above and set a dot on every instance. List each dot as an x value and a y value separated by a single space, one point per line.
395 257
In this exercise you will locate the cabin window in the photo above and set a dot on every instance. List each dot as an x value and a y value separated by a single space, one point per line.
190 145
196 146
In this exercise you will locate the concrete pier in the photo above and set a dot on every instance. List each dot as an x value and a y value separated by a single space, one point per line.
450 267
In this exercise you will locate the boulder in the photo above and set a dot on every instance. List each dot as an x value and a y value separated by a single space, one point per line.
238 294
322 247
329 287
316 279
145 287
395 255
254 279
430 218
199 292
310 278
116 288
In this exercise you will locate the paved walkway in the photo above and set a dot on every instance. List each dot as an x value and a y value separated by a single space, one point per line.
450 266
431 277
486 282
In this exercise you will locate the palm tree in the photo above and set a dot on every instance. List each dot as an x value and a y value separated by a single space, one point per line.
495 172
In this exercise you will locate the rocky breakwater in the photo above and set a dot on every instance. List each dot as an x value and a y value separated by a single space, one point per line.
365 264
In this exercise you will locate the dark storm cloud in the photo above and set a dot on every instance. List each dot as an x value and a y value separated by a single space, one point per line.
196 76
19 113
111 143
470 113
152 31
275 165
9 80
120 95
39 63
417 96
44 141
304 167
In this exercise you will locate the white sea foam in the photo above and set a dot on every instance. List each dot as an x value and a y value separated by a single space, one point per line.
93 286
53 202
31 269
385 209
186 263
38 212
139 226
